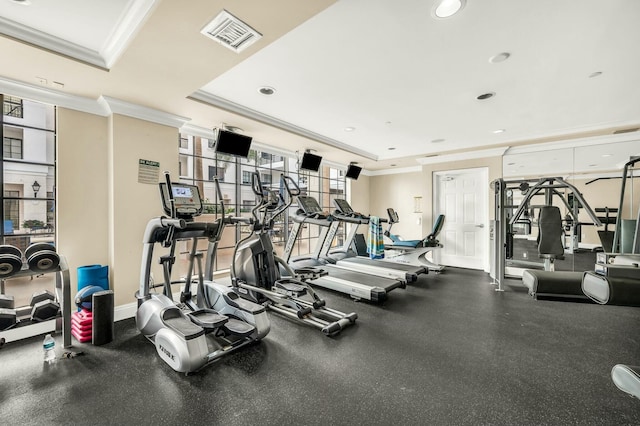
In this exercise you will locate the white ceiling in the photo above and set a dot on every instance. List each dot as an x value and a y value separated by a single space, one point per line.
388 69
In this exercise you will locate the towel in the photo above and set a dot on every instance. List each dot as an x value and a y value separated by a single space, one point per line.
375 248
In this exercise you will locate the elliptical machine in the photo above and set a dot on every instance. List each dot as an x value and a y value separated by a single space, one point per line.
255 271
184 333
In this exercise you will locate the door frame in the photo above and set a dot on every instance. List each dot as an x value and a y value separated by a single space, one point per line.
484 172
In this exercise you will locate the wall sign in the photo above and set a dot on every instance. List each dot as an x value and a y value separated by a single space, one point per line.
148 171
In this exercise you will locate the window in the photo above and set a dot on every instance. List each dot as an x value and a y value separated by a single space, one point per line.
184 143
199 165
216 172
28 163
12 148
265 178
12 107
11 211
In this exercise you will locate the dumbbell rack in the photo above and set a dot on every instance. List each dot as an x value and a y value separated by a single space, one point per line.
63 293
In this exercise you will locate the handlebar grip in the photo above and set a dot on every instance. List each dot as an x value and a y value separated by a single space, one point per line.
176 223
240 219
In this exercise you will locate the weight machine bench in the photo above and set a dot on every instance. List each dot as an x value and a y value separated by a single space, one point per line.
565 284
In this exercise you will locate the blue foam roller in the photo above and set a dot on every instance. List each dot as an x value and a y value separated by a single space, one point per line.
93 275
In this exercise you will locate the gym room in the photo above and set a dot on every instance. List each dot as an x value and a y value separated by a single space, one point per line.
240 213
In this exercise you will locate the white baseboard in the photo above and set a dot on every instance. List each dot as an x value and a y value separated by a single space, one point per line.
123 312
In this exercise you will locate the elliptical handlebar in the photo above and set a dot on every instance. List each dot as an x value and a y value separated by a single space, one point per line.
172 200
174 213
220 198
256 186
290 185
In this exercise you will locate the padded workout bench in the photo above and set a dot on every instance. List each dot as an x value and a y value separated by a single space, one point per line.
565 284
611 290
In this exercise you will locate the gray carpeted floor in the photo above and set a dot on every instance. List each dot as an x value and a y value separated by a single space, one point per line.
448 350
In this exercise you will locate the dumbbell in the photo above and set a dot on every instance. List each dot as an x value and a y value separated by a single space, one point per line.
42 257
10 261
41 307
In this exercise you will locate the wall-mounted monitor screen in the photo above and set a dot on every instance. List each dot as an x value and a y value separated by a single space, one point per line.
353 171
232 143
310 162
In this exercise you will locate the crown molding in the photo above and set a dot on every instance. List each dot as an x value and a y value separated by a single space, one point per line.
117 106
573 143
218 102
50 96
461 156
393 171
51 43
194 130
129 24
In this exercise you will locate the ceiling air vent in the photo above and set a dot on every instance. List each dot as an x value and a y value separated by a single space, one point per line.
231 32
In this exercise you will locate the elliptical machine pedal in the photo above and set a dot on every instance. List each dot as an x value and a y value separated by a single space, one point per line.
289 289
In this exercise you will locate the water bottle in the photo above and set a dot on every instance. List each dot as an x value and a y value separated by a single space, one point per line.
49 348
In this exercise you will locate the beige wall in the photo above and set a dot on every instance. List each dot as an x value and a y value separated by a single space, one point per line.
82 190
398 191
102 209
134 203
359 193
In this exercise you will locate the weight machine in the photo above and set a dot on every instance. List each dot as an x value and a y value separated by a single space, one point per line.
509 215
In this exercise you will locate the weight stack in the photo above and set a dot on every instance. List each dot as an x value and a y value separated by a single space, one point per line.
103 305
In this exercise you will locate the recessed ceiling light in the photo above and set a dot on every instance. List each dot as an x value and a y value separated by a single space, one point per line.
391 149
437 140
606 155
486 96
499 131
500 57
22 2
349 129
511 164
266 90
595 74
592 165
447 8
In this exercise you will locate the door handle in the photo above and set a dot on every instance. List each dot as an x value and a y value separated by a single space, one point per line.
480 225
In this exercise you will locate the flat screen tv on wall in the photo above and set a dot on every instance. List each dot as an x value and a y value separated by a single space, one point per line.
310 162
232 143
353 171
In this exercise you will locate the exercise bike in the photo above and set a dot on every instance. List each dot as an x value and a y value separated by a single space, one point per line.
195 331
255 271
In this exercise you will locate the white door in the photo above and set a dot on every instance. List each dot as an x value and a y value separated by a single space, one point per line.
462 196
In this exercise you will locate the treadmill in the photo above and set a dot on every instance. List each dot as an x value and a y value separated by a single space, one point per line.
355 284
348 259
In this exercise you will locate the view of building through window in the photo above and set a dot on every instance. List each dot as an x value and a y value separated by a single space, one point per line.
28 183
199 164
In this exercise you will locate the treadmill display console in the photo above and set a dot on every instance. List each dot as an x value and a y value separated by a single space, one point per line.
309 205
343 206
186 199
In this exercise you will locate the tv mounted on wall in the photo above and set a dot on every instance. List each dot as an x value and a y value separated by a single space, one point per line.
353 171
310 162
232 143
